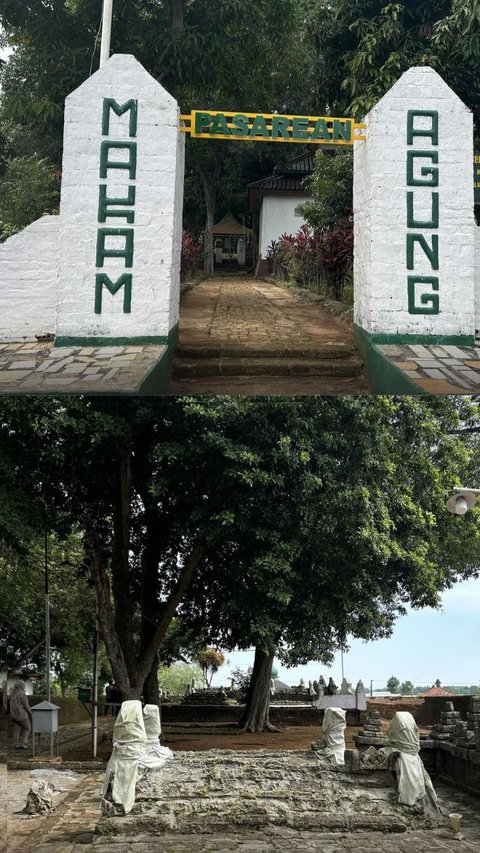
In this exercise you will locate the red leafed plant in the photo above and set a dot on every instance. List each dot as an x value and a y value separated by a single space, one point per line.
191 256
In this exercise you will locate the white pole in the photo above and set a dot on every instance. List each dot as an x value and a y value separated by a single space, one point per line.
95 691
106 31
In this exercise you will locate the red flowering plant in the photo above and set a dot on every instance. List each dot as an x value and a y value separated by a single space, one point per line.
191 256
314 259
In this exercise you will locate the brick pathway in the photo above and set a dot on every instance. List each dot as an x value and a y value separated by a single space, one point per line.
438 369
248 336
39 368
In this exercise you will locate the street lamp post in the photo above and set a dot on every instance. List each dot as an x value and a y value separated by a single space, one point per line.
462 500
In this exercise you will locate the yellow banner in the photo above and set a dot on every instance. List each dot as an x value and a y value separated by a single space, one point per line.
271 127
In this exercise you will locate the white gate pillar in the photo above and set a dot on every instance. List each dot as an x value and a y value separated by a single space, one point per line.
121 210
414 216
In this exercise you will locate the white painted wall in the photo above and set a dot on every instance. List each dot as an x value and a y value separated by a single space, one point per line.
158 207
28 280
277 217
477 278
380 203
29 684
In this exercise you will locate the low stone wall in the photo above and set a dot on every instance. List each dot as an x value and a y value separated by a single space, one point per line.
28 273
426 710
432 706
230 714
458 765
71 710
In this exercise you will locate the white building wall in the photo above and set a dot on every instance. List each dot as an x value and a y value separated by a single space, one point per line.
380 204
157 225
28 279
277 217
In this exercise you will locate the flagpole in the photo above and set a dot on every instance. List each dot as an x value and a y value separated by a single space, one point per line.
106 31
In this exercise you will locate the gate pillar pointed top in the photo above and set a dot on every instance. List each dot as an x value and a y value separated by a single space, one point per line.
414 215
121 209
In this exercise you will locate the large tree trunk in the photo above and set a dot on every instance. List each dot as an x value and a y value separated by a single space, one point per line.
256 715
210 195
150 593
124 603
150 688
106 617
176 17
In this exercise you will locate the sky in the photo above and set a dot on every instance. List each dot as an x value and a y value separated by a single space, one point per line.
426 645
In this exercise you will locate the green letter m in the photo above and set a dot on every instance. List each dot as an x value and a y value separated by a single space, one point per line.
111 104
125 281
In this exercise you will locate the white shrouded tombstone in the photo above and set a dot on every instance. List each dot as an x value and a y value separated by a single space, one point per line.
414 216
121 210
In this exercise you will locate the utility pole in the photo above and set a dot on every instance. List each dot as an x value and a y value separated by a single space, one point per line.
47 621
106 31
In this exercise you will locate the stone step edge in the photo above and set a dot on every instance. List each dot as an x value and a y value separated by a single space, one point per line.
157 825
346 368
333 351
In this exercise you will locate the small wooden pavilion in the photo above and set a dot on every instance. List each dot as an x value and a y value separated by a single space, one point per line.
231 242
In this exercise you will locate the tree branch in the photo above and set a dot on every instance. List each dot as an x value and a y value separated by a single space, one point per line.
106 616
168 611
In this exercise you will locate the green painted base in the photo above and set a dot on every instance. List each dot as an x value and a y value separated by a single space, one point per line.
425 340
382 375
162 340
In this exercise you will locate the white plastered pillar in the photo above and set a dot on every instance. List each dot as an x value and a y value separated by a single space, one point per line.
414 215
121 210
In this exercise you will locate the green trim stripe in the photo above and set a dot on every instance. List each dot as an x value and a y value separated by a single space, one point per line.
161 340
426 340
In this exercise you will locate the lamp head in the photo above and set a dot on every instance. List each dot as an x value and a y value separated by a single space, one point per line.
461 501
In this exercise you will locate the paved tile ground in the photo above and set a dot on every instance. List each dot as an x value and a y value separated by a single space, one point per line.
438 369
39 368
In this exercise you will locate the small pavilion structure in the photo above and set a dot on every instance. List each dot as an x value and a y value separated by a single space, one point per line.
231 242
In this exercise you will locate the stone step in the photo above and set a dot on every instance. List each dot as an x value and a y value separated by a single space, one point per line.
208 350
252 816
210 367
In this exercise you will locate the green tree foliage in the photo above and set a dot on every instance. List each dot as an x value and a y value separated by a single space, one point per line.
178 677
22 612
240 516
406 688
393 684
210 660
363 46
331 187
29 188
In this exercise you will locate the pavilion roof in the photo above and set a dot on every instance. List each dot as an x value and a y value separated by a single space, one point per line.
438 691
230 227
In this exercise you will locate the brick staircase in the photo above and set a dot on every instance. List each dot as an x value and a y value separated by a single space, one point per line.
207 360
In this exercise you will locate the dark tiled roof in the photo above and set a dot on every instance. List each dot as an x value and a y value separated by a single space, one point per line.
280 182
304 165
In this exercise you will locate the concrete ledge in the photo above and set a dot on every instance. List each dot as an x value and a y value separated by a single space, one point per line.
382 375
